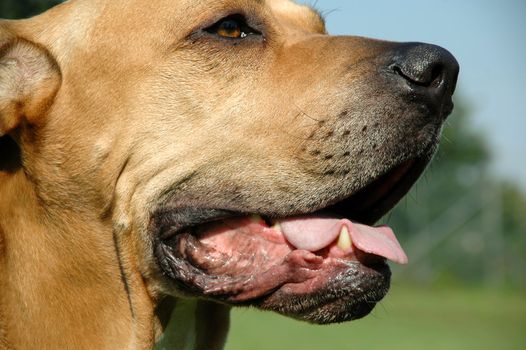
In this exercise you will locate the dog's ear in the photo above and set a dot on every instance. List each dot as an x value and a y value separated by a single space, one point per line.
29 81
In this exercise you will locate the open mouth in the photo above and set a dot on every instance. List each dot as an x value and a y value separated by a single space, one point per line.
325 266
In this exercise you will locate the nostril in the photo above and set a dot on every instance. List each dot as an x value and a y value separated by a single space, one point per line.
428 77
437 75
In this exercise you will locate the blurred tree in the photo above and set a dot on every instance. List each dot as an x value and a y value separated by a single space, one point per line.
459 165
24 8
460 222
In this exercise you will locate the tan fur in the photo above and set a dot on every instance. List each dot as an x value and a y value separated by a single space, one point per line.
111 107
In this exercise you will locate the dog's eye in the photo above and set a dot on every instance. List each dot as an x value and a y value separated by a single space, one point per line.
232 27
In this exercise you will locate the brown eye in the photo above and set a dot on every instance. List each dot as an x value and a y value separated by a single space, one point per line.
232 27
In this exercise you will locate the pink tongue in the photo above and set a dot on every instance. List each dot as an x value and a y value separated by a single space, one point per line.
315 233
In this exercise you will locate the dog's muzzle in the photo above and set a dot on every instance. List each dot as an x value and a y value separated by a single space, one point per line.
321 262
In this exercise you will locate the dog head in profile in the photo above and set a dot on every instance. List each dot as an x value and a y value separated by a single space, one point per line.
229 151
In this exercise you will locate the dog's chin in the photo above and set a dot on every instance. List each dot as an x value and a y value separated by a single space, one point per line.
348 292
259 259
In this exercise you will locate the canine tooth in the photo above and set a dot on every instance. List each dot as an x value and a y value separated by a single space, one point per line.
344 240
276 227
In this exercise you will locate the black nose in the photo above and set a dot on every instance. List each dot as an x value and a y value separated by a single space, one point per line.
430 71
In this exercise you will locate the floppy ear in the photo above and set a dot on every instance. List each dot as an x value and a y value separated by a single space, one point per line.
29 81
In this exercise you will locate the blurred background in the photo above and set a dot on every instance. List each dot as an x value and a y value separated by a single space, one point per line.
464 223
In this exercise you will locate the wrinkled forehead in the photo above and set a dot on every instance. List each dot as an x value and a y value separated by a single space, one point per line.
188 13
110 27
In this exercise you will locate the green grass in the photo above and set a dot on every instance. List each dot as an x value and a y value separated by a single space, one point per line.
407 319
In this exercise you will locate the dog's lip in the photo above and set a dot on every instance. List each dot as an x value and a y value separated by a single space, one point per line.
239 265
365 206
375 200
243 260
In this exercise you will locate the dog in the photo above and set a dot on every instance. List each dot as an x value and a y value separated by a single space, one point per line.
163 161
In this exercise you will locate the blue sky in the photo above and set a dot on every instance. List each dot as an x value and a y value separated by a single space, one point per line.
489 40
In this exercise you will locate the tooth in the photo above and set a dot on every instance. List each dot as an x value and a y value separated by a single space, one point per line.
276 227
344 240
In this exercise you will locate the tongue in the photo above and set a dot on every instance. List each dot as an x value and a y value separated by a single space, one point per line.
315 233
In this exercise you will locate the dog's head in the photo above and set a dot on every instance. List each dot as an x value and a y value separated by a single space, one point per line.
236 150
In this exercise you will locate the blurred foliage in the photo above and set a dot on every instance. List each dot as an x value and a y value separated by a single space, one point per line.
459 223
408 318
24 8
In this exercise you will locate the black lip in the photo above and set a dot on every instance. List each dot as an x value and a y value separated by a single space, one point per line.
168 221
351 296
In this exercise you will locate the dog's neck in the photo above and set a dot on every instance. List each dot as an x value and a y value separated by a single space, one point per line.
190 324
48 276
